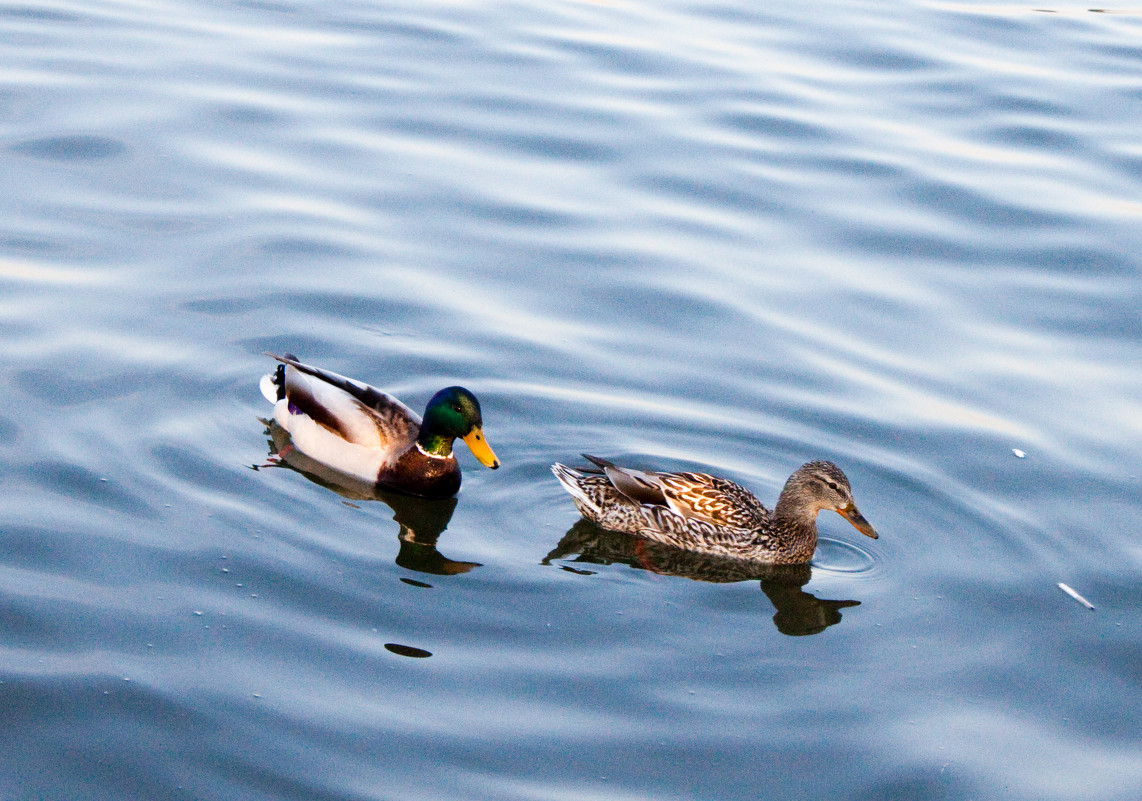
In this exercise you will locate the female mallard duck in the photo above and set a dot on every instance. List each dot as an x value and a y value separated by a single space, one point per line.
368 434
705 514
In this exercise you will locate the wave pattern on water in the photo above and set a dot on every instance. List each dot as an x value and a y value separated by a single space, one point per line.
688 235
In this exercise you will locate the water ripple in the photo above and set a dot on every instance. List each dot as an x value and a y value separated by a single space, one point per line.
709 236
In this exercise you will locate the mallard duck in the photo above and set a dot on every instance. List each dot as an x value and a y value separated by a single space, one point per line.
363 432
706 514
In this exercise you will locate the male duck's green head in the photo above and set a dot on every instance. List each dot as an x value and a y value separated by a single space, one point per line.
455 412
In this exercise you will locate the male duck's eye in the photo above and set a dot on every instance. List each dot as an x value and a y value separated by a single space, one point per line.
456 408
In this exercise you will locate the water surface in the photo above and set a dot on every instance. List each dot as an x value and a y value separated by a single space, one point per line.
683 235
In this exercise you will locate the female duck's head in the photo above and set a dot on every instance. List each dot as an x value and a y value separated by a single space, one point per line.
454 412
820 485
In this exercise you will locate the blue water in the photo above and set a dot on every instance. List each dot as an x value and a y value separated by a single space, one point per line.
904 237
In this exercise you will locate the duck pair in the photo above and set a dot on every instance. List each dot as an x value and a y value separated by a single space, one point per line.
369 434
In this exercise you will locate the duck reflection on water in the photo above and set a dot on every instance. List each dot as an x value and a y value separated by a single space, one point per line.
421 520
798 612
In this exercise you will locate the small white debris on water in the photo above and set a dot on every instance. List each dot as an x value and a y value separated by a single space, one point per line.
1018 453
1076 596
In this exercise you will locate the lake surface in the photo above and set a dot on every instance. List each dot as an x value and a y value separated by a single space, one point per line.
702 235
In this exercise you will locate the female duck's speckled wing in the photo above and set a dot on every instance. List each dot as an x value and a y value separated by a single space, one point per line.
695 496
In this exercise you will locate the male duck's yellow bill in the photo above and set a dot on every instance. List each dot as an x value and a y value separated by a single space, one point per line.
480 448
853 515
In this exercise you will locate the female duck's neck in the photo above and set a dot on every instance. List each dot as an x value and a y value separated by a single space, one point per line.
795 518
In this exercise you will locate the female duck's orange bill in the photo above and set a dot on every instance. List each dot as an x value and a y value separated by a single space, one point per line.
853 515
482 451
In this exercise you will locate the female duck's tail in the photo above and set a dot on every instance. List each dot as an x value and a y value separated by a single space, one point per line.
570 478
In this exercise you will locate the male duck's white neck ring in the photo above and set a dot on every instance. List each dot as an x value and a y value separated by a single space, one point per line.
430 455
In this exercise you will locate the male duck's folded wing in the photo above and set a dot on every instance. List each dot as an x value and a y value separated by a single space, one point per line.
355 411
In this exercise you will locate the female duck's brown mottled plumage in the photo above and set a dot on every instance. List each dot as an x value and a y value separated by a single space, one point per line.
706 514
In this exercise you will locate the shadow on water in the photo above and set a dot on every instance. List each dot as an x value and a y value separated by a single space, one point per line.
798 613
421 520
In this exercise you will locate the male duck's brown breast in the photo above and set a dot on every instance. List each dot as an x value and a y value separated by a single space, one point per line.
416 473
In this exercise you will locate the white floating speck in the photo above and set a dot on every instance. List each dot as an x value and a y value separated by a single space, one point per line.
1075 595
1018 453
